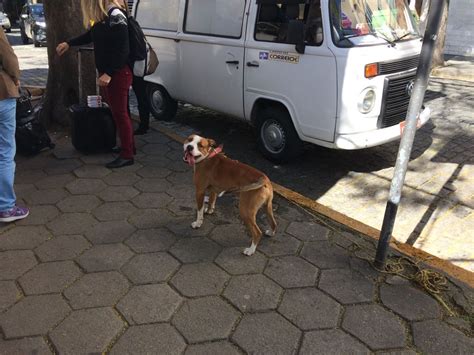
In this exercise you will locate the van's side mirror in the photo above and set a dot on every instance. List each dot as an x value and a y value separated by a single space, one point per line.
296 35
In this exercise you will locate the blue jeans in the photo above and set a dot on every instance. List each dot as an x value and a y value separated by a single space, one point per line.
7 153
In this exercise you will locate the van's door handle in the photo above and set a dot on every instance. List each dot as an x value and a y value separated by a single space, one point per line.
236 62
177 40
253 64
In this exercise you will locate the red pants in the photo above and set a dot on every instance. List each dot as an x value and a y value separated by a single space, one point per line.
116 95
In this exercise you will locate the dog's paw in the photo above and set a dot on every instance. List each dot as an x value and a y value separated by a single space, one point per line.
209 210
270 233
196 224
249 251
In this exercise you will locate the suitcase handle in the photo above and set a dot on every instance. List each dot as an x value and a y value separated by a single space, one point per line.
79 67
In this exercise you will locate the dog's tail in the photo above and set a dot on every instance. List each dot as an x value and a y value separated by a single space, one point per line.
252 186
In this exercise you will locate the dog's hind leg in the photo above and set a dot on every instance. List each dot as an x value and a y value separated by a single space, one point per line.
271 219
200 210
249 206
211 206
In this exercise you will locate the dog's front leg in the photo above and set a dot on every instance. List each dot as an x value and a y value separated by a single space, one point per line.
200 210
212 203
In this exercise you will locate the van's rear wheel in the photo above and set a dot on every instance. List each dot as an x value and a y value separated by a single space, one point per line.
162 106
276 136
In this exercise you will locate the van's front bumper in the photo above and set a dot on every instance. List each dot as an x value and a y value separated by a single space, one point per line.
376 137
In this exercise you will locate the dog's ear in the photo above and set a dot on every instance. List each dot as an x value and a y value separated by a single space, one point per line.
212 143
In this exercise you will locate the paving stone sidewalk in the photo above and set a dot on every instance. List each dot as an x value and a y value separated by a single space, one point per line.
107 262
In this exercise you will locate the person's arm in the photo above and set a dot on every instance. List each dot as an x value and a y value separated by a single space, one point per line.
81 40
8 59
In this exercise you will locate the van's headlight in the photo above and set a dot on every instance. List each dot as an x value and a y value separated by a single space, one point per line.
366 100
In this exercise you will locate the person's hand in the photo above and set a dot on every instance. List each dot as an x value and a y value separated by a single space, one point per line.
62 48
104 80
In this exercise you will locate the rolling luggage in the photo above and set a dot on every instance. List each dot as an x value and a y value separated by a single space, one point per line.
92 128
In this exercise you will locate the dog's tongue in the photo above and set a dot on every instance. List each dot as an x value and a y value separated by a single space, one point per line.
189 158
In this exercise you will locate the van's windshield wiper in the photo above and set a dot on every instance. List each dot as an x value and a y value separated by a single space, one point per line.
403 36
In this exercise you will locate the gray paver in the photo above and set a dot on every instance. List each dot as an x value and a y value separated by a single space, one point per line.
54 181
419 307
114 211
71 223
205 319
153 185
105 257
86 186
374 326
325 255
279 245
36 346
151 218
49 277
309 308
152 200
118 178
33 315
308 231
9 294
331 341
109 232
183 207
275 334
50 198
97 290
118 193
231 235
15 263
235 262
253 293
181 227
435 337
23 238
215 348
195 250
87 331
347 286
153 172
79 203
92 171
62 248
151 240
152 267
149 304
291 271
204 279
150 339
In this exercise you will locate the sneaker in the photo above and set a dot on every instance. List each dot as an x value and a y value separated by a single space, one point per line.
15 214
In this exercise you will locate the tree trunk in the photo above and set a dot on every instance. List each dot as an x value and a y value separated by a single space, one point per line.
438 55
64 21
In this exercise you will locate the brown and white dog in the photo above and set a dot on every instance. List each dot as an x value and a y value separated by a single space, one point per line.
217 174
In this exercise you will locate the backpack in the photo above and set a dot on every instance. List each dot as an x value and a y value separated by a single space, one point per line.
142 56
31 136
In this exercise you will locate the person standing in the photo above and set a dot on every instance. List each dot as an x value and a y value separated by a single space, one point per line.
109 34
139 87
9 85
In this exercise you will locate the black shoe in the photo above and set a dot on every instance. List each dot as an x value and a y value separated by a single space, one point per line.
116 149
140 131
119 163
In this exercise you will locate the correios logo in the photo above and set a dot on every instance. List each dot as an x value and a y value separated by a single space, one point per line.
409 87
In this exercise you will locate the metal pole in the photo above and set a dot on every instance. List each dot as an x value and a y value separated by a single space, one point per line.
406 144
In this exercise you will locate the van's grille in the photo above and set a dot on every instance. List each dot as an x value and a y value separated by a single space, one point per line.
130 4
398 65
395 101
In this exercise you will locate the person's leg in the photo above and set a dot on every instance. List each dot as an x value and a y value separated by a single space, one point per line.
117 94
139 87
9 212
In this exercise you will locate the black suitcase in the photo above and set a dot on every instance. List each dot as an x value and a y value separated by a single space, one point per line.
31 136
92 128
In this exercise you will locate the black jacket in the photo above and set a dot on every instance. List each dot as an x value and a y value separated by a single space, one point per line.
111 43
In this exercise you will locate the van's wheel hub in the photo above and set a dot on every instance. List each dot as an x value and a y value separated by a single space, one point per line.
273 136
158 101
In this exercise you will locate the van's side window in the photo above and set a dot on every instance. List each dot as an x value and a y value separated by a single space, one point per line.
158 14
273 20
222 18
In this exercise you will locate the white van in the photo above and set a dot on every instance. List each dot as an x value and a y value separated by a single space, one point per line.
336 73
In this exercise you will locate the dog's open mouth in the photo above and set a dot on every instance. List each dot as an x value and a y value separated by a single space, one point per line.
189 158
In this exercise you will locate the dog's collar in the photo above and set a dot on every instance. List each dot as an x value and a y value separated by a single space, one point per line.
214 152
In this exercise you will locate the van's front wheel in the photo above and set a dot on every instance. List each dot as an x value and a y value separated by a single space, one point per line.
276 136
162 106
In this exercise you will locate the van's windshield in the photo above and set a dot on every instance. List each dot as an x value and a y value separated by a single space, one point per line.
359 20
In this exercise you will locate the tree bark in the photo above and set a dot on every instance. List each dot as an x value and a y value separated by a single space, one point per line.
438 55
64 21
